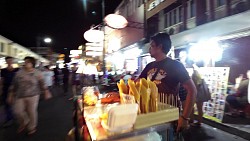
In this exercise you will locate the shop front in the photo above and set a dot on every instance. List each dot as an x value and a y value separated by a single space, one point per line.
236 56
221 63
115 62
125 60
131 59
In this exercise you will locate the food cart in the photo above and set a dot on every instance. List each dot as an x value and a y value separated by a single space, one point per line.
156 124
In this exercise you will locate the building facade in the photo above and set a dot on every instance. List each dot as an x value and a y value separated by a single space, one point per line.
213 33
123 45
189 21
10 48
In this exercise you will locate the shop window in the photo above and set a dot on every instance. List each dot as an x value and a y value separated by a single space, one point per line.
9 49
20 54
220 2
15 51
180 14
153 25
192 8
2 47
174 16
166 20
170 18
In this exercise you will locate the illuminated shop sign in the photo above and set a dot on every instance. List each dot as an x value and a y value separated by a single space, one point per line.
154 3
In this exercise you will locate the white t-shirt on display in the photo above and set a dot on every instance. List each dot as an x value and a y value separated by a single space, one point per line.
47 75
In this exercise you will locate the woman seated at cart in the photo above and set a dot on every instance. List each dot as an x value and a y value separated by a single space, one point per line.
238 102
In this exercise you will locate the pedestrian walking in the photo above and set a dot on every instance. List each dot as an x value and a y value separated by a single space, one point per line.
48 76
65 72
75 78
7 75
56 75
202 96
25 91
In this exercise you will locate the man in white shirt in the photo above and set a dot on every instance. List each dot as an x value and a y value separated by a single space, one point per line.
48 76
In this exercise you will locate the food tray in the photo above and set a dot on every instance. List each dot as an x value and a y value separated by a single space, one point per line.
166 113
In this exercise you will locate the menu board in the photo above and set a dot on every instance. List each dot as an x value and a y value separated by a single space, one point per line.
217 80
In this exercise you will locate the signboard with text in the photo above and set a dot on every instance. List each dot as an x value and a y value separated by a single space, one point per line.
155 6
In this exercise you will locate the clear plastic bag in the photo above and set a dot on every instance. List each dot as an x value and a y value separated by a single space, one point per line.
90 98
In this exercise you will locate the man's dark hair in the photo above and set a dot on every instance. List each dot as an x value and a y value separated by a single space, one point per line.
164 40
32 60
8 57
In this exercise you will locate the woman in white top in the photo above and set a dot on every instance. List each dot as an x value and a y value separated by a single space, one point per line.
48 76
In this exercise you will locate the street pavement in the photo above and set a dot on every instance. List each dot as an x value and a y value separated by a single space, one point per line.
55 121
208 133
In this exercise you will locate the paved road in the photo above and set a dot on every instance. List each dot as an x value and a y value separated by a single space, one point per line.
55 120
208 133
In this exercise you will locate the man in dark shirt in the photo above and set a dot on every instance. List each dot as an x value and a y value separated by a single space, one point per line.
56 73
168 74
7 75
65 72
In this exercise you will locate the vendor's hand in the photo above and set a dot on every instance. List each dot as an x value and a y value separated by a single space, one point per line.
182 124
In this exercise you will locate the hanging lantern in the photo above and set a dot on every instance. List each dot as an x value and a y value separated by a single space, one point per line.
93 35
115 21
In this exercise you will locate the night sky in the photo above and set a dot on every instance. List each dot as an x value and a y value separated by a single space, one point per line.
64 21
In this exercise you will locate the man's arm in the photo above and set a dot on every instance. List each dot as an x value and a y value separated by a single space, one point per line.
191 95
189 86
42 85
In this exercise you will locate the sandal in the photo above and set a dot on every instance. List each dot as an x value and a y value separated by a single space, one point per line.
31 132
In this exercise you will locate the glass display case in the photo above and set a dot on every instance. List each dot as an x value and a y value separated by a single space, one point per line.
89 127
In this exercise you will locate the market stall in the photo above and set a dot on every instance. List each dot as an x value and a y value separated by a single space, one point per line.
137 112
217 80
